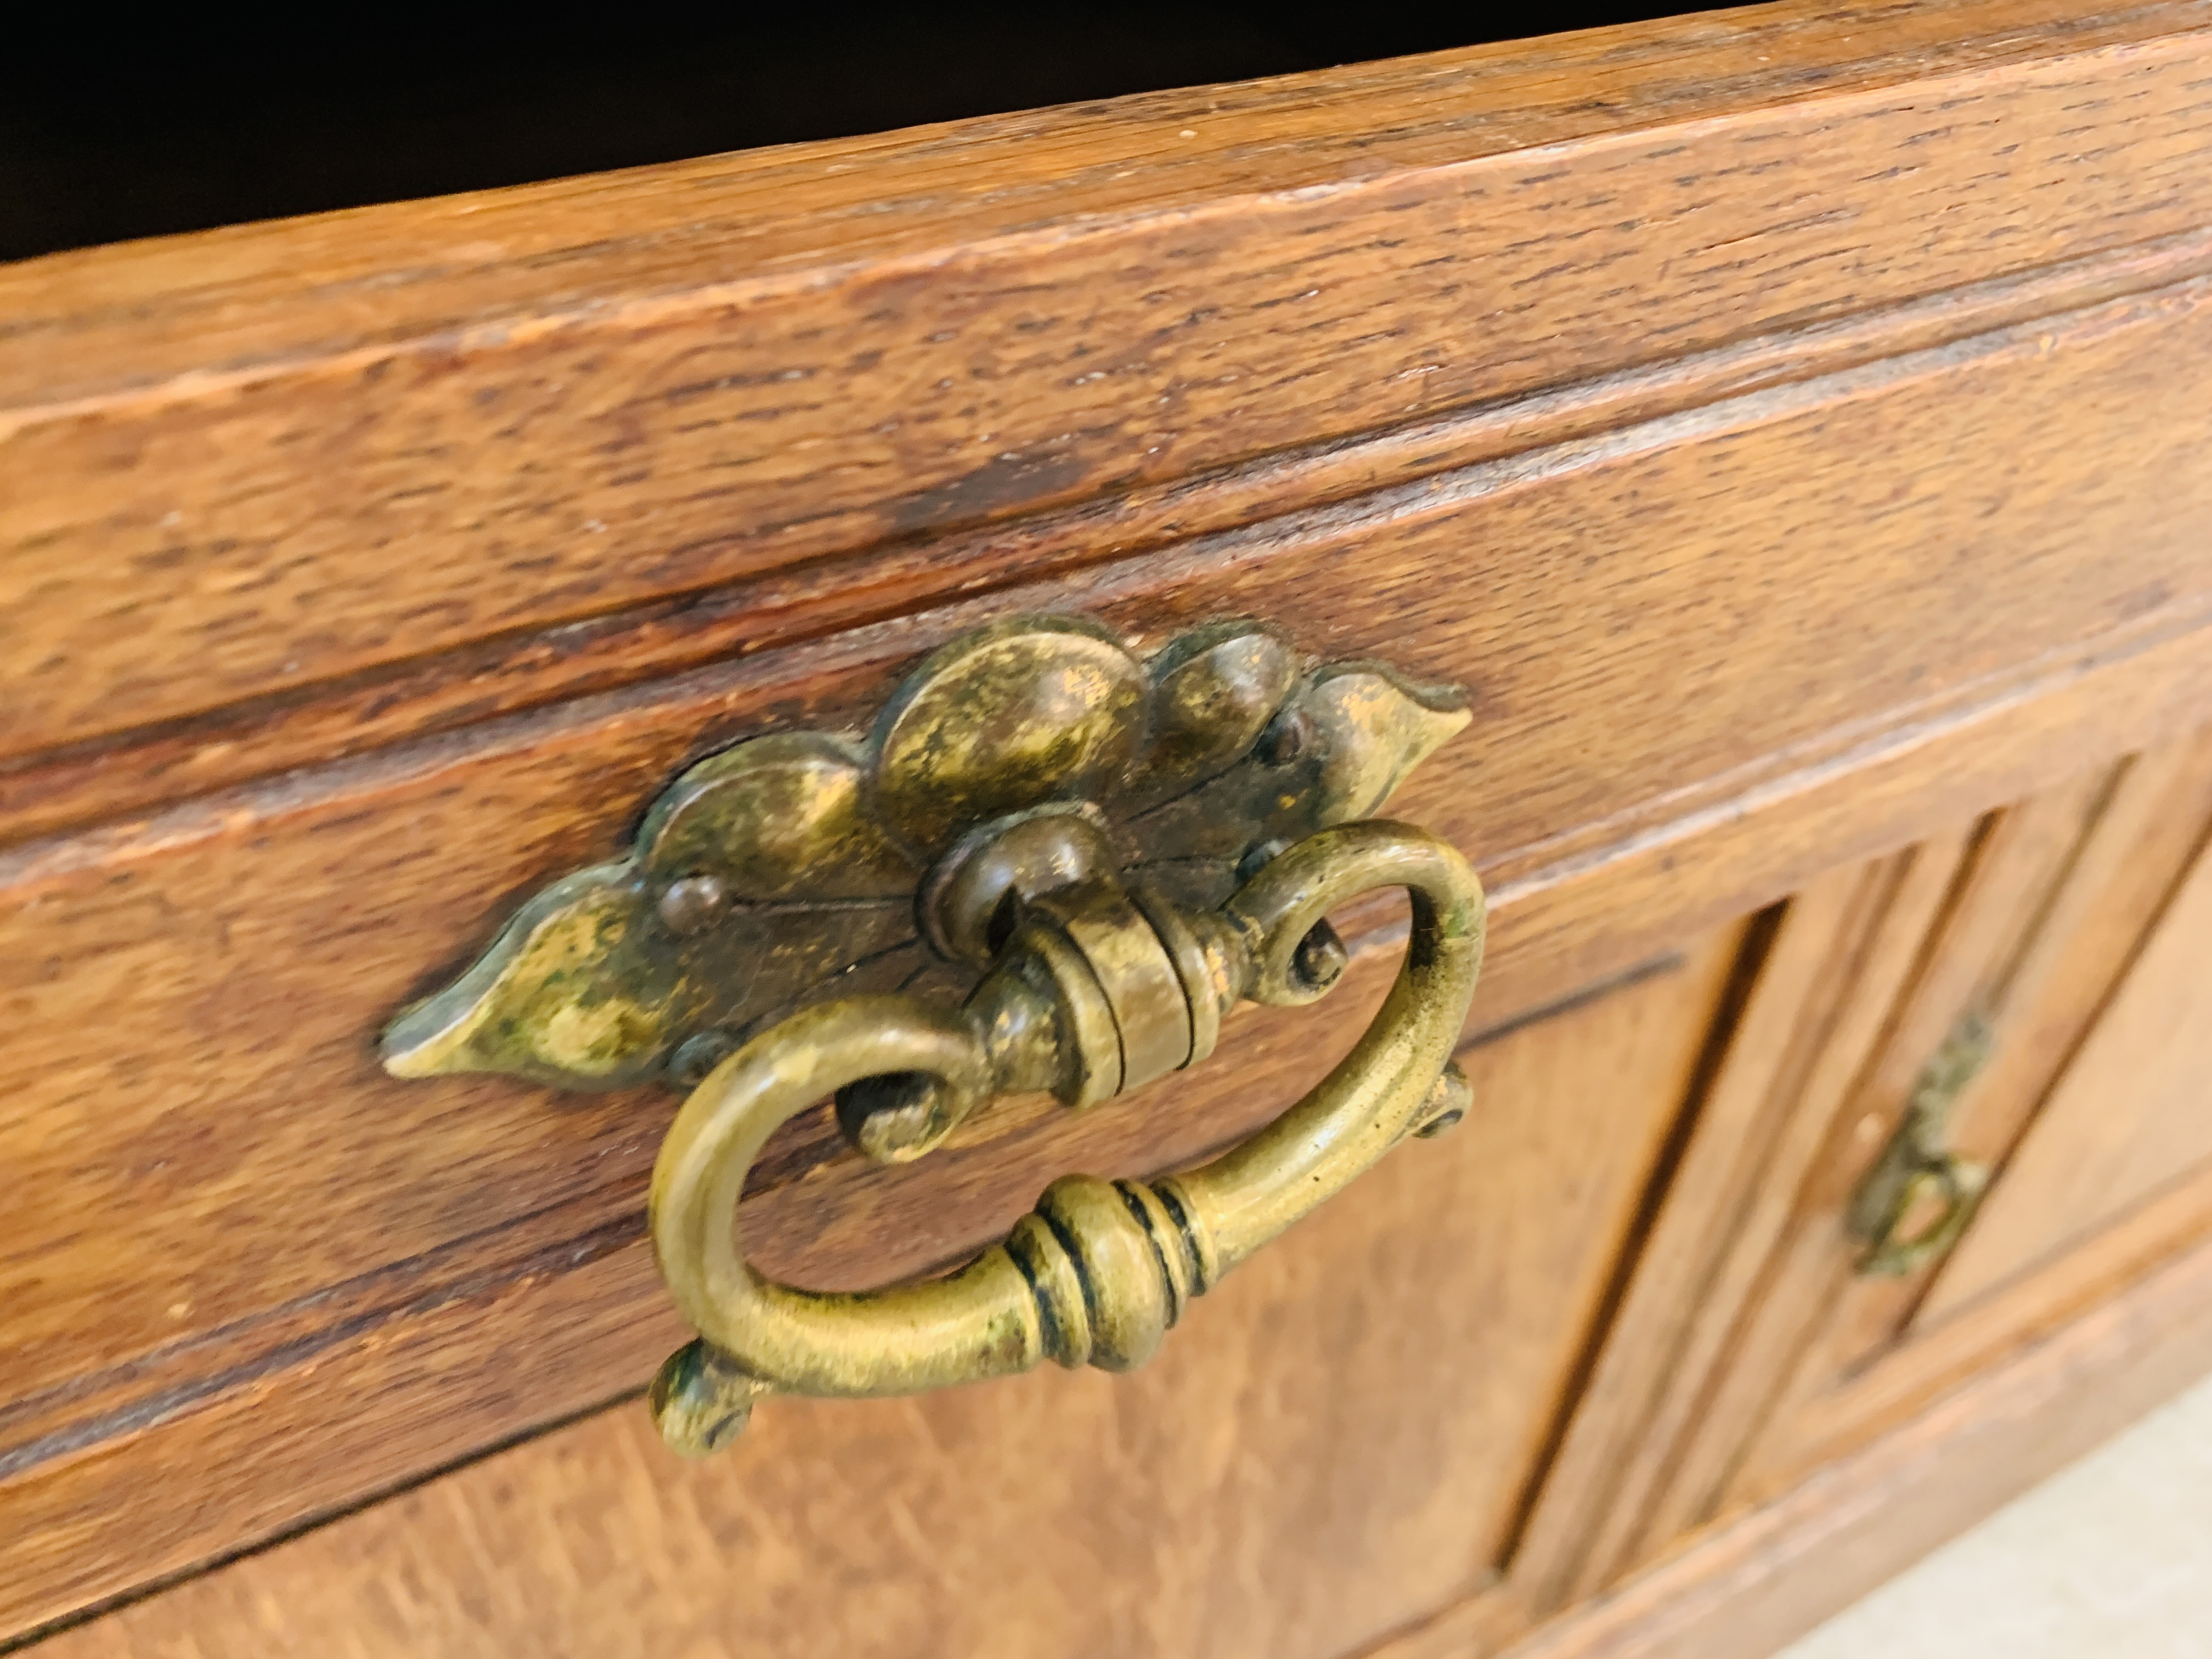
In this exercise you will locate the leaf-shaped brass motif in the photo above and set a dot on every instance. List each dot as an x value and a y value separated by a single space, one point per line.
791 868
1214 691
776 817
1013 716
571 991
1376 728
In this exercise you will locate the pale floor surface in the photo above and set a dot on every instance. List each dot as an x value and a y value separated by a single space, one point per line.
2110 1559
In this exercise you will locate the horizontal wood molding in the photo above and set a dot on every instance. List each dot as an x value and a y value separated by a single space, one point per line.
235 297
128 773
360 573
2066 891
569 1292
1500 499
1747 1351
1839 950
270 459
1858 1409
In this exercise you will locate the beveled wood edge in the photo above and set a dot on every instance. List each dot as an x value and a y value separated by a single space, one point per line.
397 1378
1998 1324
598 1234
401 258
1750 1583
2135 1332
1568 912
1105 542
1843 934
1874 1355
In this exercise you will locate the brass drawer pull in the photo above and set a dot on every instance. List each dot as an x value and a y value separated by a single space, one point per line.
1100 1270
1919 1177
1076 863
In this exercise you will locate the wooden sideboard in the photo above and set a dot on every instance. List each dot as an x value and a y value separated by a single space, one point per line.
1787 426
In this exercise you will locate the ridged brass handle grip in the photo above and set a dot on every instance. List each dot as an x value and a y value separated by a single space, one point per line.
1101 1270
1052 863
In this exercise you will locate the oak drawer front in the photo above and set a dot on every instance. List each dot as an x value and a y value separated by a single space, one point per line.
1462 1400
2007 1009
1248 1490
1754 569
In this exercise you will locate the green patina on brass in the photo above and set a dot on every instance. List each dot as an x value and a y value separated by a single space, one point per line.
784 872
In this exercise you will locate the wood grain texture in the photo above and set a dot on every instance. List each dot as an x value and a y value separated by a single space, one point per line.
2141 849
1825 1425
1721 653
1963 953
80 782
1846 486
1780 1319
1329 1447
1438 463
1747 1356
2136 831
1747 1586
2132 1115
341 1387
336 894
268 459
2039 941
2127 1330
1841 953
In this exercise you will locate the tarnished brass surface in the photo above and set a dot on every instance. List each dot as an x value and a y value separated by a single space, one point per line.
1918 1178
784 871
1101 1270
1051 866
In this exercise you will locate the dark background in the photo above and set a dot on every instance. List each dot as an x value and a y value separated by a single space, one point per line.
138 130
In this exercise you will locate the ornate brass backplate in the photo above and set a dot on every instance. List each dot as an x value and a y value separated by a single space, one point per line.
784 871
1051 866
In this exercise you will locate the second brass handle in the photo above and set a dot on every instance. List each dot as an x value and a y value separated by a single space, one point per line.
1076 1000
1920 1178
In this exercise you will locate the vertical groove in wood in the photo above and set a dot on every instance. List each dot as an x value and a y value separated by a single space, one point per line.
1734 1385
1751 958
2051 923
2082 918
1963 955
1745 1585
1706 668
1839 933
1844 575
2158 833
2132 1113
1954 933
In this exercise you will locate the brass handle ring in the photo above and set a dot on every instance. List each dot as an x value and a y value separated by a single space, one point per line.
1094 991
1952 1186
